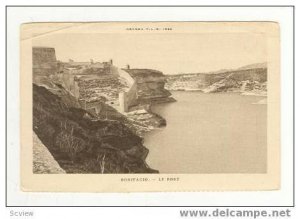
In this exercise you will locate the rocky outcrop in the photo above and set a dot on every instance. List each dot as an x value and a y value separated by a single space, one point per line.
82 143
144 120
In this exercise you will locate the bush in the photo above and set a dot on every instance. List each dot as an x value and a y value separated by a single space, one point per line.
68 143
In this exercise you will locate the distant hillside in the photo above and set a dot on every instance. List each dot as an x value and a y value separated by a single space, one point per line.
250 78
252 66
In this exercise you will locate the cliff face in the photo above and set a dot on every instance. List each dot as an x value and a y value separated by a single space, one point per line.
150 85
82 144
246 79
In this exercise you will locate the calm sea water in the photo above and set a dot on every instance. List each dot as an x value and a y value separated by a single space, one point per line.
210 133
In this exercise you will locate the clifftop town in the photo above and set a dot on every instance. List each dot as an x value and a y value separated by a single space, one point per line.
102 109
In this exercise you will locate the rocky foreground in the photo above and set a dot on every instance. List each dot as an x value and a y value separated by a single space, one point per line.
82 143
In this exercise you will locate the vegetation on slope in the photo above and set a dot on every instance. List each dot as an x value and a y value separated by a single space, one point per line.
81 144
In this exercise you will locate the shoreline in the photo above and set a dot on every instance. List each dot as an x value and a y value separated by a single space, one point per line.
144 119
261 94
161 142
159 122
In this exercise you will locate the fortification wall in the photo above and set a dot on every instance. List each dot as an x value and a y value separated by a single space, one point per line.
44 60
129 97
127 76
70 84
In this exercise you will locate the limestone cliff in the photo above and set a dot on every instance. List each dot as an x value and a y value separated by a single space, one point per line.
150 85
248 79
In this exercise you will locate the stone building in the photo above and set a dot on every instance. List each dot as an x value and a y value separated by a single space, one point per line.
44 61
93 107
89 67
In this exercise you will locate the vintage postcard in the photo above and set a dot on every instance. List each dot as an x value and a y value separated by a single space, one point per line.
150 106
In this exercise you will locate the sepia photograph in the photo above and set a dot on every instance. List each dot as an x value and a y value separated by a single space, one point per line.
150 97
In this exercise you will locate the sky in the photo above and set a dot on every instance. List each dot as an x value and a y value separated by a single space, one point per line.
171 53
